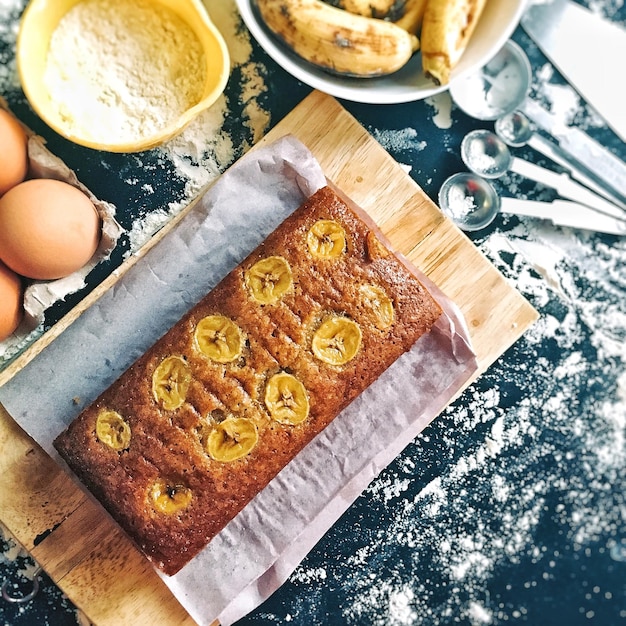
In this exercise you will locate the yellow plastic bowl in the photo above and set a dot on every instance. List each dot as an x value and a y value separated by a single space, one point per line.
41 18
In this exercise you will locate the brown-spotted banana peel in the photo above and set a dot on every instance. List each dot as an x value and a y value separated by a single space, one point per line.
404 13
382 9
446 30
338 41
411 19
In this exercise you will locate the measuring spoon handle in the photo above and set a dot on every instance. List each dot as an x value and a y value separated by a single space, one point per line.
565 213
582 148
564 186
557 155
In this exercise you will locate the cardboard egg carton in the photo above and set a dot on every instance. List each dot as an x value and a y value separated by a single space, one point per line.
30 338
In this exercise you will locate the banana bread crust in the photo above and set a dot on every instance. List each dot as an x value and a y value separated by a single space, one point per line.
160 469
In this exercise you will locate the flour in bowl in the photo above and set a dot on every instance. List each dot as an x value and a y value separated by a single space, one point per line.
118 72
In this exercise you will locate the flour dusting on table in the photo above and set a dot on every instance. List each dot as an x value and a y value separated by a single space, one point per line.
553 455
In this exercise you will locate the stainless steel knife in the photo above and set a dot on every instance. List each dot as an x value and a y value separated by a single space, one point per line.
565 213
587 49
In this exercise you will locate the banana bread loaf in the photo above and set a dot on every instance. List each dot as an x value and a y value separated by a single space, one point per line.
199 424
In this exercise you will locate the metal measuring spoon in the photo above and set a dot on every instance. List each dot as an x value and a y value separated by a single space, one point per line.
496 89
485 154
472 203
516 130
503 85
469 201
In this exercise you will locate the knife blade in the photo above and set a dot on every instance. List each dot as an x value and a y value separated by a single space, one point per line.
565 213
587 49
597 161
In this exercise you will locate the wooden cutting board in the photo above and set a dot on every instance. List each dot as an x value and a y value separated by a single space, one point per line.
72 537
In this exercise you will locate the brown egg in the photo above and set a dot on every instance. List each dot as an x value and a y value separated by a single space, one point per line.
48 229
13 152
10 301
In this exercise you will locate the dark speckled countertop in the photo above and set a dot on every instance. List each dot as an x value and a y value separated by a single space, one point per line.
509 508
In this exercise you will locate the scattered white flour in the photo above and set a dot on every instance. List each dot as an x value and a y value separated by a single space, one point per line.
555 454
399 140
12 549
11 552
564 102
8 33
118 72
442 105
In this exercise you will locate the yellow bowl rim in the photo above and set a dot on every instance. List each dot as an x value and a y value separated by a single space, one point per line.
146 143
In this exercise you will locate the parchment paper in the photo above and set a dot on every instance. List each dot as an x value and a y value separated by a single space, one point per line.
259 549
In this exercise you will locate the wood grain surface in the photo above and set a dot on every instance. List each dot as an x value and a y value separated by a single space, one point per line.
72 537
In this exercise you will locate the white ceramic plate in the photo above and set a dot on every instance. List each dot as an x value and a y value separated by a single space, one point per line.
499 20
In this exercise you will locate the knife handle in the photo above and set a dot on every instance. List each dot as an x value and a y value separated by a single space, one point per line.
565 213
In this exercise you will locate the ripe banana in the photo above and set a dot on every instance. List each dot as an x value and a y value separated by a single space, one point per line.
404 13
170 382
337 340
269 279
412 16
379 304
219 338
336 40
113 430
446 30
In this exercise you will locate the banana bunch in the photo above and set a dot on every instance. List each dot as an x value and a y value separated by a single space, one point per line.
338 40
369 38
